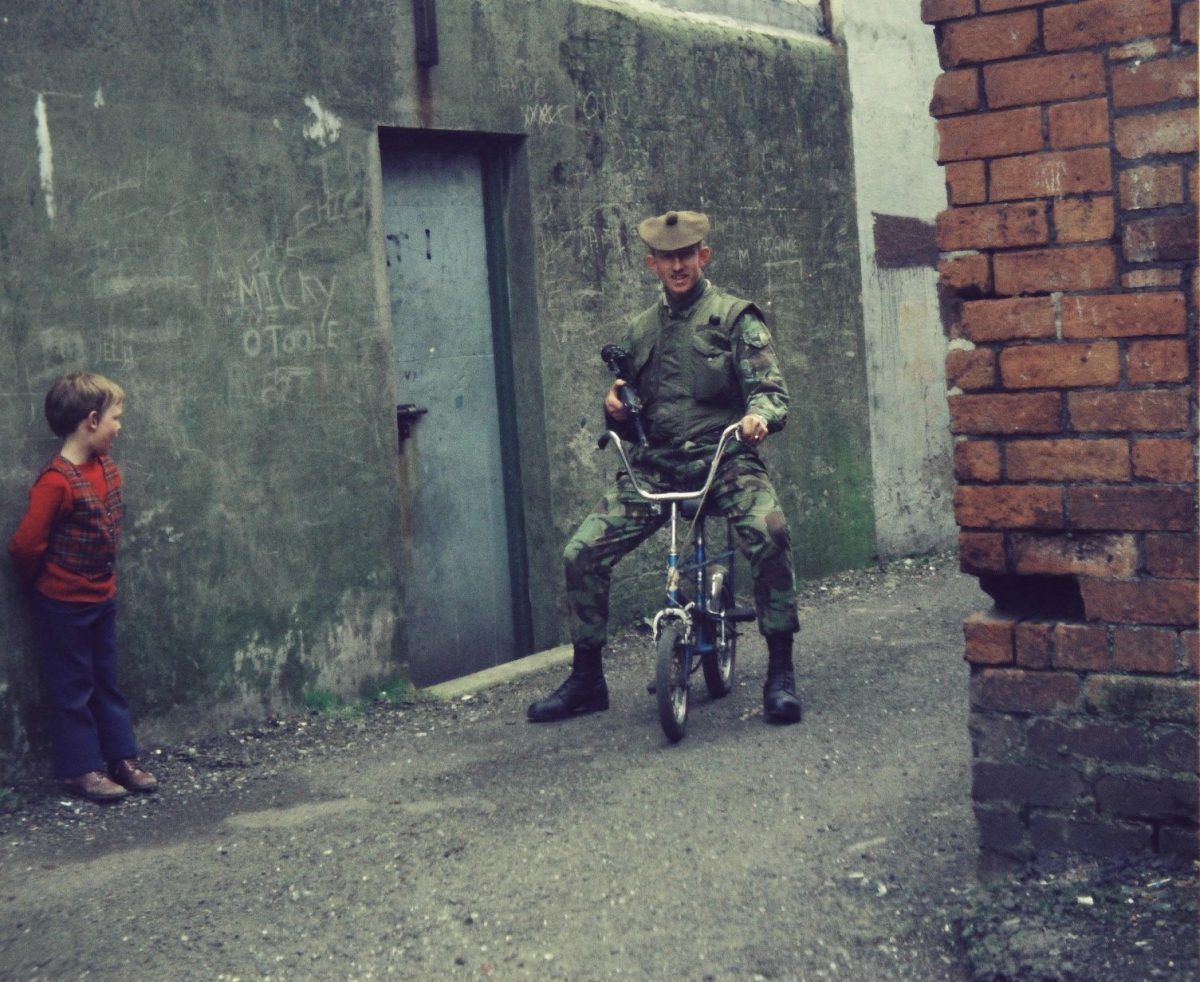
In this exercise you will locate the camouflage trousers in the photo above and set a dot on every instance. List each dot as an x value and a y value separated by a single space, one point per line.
742 493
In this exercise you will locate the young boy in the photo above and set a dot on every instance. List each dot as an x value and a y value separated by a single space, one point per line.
66 547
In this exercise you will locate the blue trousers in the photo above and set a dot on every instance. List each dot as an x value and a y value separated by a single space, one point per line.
91 723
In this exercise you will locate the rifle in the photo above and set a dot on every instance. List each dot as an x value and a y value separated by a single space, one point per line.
617 360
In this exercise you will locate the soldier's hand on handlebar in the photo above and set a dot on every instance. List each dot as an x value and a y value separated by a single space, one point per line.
753 429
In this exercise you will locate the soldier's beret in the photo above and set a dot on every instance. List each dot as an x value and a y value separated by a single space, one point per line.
674 230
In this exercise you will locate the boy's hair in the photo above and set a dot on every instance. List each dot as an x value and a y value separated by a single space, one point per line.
74 396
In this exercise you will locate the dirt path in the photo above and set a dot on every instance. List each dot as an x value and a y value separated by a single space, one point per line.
456 840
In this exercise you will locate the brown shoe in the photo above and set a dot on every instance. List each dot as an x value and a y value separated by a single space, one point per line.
128 774
95 787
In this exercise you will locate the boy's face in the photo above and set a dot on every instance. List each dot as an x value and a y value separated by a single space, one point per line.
103 429
679 269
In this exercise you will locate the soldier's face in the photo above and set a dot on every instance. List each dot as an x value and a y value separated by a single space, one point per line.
680 269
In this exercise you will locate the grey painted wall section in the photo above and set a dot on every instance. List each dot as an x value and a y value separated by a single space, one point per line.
191 200
893 64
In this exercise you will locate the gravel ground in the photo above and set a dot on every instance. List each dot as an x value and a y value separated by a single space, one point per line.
451 839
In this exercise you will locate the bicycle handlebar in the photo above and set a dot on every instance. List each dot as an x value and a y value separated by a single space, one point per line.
730 431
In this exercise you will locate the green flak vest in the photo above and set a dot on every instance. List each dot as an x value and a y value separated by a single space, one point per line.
686 373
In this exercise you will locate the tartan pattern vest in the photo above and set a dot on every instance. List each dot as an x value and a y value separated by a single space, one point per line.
85 542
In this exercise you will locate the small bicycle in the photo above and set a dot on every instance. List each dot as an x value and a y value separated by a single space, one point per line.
697 633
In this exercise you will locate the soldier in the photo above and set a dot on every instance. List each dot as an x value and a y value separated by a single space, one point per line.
702 359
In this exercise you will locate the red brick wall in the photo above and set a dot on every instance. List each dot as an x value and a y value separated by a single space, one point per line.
1068 134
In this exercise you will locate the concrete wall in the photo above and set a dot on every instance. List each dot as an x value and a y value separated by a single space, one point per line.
189 196
893 63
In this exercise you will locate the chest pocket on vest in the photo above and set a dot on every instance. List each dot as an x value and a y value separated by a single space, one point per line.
713 378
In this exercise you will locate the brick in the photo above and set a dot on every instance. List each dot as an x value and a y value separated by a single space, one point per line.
1007 320
1060 365
1047 787
992 227
1148 650
1173 748
1140 602
993 6
966 182
1008 507
1054 270
1052 78
1142 279
977 460
1156 133
1081 25
1143 410
1124 315
981 552
1139 698
1003 832
966 274
1181 842
1157 361
1051 175
1014 690
955 92
1191 652
1034 642
1149 48
1167 461
1006 414
1079 124
1187 23
1171 556
1150 798
1111 556
933 11
1151 186
989 639
1147 508
1068 460
1081 647
996 737
1160 80
1111 742
971 369
1084 219
1167 238
1051 833
998 134
989 38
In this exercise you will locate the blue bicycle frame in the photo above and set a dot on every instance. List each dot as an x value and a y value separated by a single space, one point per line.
700 632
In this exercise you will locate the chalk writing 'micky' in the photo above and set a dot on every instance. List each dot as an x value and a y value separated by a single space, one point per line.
269 291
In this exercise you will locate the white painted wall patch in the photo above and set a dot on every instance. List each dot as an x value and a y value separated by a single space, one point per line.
45 155
326 126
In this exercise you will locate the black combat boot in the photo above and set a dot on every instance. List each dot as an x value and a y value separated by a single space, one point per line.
780 704
584 691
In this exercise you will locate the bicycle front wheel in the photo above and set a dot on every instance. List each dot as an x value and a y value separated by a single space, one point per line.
672 682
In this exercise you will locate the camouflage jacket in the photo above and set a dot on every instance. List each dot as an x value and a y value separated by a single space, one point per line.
701 367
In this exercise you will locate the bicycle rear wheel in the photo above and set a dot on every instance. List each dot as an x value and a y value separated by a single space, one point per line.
718 662
671 682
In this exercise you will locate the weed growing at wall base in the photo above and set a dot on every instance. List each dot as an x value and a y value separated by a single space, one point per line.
327 703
